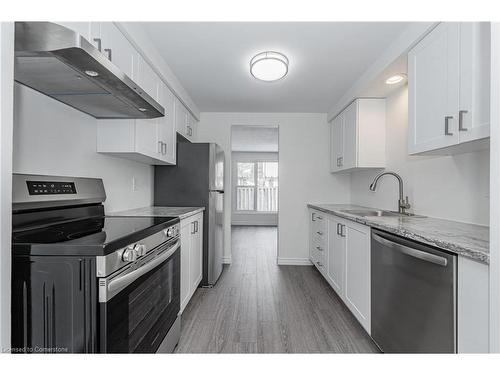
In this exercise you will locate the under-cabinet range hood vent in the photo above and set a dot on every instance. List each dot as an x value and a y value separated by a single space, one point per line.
62 64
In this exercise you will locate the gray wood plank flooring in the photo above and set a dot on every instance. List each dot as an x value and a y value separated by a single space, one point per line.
260 307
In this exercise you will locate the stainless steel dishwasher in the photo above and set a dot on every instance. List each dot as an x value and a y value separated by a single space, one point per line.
413 296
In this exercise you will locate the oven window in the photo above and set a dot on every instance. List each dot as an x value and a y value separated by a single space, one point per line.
137 319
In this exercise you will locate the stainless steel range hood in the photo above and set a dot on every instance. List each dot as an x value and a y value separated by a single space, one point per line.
62 64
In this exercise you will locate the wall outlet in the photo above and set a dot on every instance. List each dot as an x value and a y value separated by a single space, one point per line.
135 185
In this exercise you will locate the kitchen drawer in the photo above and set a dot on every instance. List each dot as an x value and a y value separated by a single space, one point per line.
318 221
320 260
321 242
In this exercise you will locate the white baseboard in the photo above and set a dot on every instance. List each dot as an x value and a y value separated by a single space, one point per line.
294 262
226 260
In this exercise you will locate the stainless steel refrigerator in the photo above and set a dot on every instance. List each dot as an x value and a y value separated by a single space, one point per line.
198 180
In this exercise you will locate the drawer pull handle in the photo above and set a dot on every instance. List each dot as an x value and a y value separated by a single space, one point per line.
320 233
319 248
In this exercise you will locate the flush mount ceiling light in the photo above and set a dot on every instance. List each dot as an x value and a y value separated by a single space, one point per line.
269 66
396 78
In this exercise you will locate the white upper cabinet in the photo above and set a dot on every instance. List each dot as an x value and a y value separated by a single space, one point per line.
147 79
185 123
448 89
180 118
149 141
337 142
358 136
475 42
118 49
166 125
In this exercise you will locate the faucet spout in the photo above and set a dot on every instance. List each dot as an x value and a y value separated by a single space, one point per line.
403 204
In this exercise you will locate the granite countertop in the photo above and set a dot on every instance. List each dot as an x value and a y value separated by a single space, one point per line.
468 240
180 212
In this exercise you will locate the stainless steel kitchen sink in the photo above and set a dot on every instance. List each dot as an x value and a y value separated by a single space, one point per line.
378 213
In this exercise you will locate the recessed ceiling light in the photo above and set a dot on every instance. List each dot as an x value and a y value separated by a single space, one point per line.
269 66
91 73
142 109
396 78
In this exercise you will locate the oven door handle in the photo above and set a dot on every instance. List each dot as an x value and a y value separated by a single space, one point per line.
121 282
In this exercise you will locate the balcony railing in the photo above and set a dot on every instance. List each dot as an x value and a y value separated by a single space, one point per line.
267 199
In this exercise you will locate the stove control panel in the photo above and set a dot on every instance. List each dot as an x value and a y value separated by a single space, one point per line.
50 187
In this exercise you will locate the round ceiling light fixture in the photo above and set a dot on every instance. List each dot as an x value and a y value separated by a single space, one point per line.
269 66
396 78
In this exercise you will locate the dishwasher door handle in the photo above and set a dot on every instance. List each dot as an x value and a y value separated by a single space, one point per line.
422 255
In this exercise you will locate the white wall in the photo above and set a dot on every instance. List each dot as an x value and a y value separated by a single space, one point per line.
53 138
6 129
304 154
448 187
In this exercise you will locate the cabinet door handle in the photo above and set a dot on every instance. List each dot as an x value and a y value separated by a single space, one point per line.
312 216
319 264
338 162
319 248
461 120
447 125
197 226
160 145
319 232
164 148
99 43
339 230
341 161
108 50
193 229
342 230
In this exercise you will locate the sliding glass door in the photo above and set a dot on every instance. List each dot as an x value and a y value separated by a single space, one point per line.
257 186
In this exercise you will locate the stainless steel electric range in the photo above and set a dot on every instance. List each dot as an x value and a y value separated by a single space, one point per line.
84 282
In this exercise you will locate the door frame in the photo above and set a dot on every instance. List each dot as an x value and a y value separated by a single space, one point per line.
263 126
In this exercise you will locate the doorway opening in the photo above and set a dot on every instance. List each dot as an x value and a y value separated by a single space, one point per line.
255 187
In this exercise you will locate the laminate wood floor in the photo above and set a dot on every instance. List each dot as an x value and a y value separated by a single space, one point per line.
260 307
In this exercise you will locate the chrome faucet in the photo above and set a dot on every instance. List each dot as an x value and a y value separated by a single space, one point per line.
402 204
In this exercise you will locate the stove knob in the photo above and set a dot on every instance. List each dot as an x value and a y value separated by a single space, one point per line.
140 249
169 232
129 254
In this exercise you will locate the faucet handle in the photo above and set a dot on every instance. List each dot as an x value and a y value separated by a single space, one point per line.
406 203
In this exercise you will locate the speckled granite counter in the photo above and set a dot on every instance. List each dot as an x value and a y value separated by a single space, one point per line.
468 240
180 212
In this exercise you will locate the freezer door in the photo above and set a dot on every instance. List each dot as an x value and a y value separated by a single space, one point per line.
215 236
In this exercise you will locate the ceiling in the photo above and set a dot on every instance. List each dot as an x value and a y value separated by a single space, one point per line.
254 139
211 60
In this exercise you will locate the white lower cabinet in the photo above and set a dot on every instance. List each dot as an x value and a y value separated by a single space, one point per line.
191 256
340 250
336 252
357 285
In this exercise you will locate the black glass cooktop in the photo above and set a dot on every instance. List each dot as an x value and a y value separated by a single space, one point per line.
97 231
